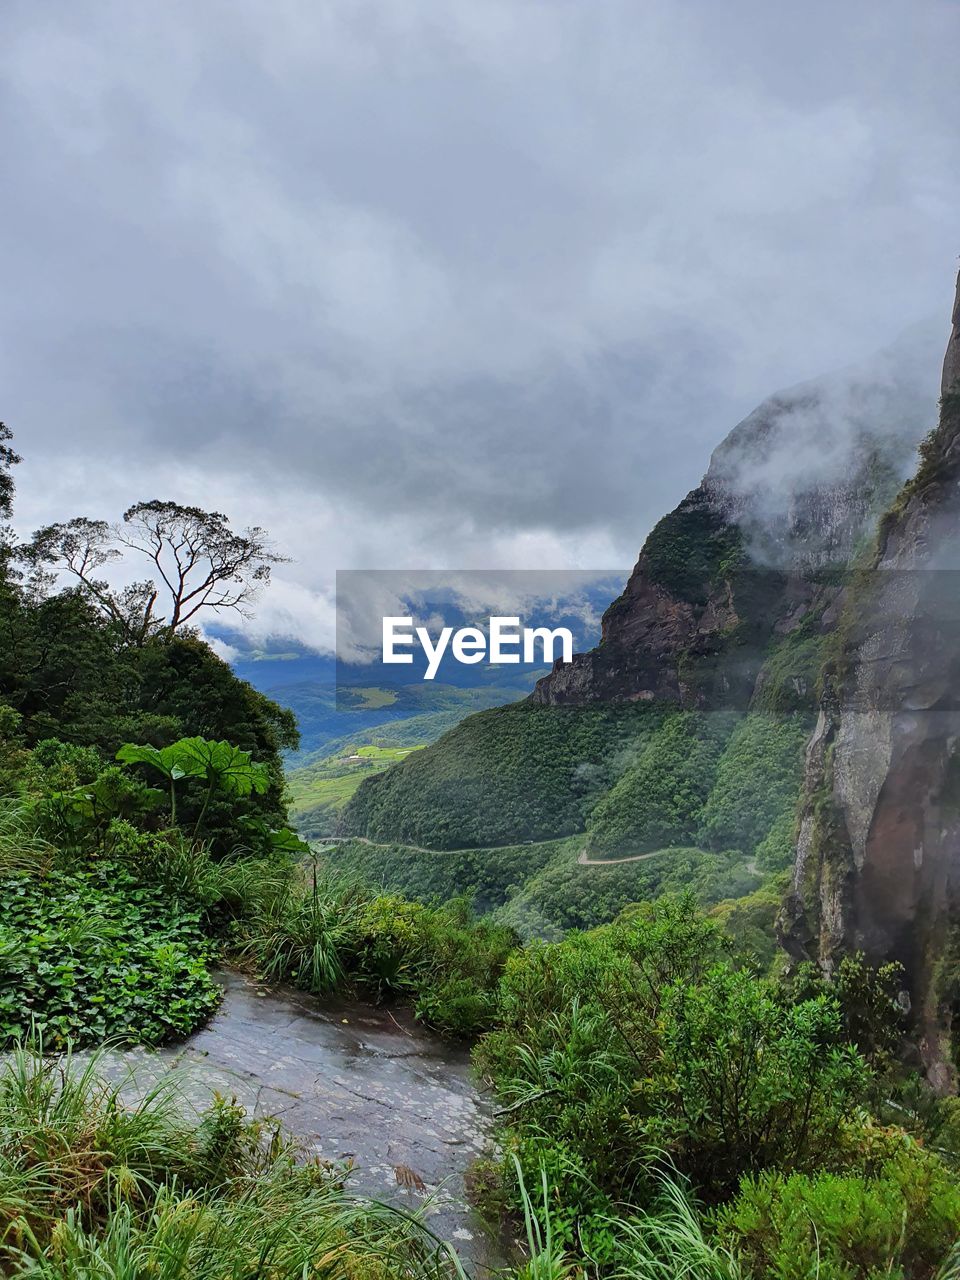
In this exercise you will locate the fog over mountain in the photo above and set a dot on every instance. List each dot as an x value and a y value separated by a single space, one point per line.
480 284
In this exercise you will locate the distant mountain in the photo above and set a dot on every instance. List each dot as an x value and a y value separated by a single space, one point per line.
334 699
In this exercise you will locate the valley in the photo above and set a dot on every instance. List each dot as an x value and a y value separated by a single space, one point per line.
688 904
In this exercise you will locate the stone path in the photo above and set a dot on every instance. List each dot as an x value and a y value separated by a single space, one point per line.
351 1082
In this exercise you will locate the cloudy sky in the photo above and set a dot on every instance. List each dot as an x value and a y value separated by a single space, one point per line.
420 283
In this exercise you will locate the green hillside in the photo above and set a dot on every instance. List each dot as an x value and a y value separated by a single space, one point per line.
514 773
541 889
632 779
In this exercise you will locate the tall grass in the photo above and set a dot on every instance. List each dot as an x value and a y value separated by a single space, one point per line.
665 1243
22 848
300 934
94 1186
68 1138
278 1228
545 1257
669 1243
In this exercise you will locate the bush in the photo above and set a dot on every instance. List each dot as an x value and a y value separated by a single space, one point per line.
868 997
901 1223
741 1082
337 935
91 953
641 1040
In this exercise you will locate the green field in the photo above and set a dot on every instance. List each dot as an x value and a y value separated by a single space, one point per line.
371 699
318 791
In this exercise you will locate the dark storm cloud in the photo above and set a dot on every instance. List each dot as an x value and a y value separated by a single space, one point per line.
477 281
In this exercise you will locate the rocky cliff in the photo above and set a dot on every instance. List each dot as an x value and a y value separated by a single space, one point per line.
790 493
878 860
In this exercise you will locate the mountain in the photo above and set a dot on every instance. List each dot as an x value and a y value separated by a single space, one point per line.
878 857
337 705
789 495
684 725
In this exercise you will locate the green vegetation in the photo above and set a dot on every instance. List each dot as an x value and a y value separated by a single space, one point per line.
669 1103
372 698
568 895
685 1116
332 717
142 821
634 779
318 791
902 1220
522 772
96 1185
658 801
788 680
542 889
336 935
755 787
488 877
92 954
692 548
711 798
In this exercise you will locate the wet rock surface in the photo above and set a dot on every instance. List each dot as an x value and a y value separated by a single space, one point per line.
352 1083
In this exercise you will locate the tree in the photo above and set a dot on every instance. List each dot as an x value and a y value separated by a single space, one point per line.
197 562
8 460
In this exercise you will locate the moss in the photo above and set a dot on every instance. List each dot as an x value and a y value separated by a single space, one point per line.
788 679
692 549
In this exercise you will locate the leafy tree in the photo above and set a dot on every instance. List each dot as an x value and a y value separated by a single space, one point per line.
196 562
8 460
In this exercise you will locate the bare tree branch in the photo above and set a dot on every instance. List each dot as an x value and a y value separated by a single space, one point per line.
198 562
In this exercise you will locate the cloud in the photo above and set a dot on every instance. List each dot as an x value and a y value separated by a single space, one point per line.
418 285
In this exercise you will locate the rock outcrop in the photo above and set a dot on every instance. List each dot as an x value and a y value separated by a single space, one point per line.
793 490
878 860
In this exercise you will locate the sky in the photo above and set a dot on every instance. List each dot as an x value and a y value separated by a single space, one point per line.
473 284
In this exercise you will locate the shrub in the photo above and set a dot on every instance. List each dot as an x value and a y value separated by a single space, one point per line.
91 953
900 1223
336 935
868 997
741 1082
641 1040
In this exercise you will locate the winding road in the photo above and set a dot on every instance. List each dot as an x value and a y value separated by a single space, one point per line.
582 857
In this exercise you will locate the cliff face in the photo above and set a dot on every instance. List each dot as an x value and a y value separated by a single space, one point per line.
878 860
791 491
